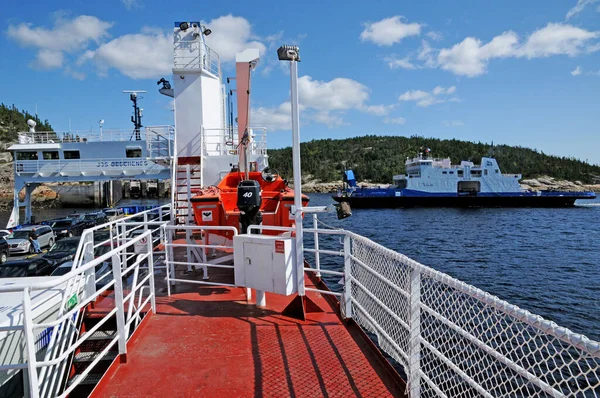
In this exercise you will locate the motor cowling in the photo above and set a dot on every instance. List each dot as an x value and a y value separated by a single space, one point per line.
248 195
248 201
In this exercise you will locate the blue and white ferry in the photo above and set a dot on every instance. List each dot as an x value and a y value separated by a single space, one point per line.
430 182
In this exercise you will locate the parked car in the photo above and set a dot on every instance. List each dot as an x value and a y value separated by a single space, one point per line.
113 214
80 219
37 266
103 272
66 227
96 218
4 250
19 240
101 235
64 250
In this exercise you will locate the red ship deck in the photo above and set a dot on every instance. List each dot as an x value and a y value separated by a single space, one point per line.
210 342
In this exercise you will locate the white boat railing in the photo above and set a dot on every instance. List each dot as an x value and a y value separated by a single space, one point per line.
104 135
47 384
221 142
196 55
453 339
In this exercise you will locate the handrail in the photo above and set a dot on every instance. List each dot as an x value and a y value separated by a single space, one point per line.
74 272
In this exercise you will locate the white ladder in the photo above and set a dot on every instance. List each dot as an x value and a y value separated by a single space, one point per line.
187 183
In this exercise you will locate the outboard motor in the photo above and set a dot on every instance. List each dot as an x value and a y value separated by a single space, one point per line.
248 201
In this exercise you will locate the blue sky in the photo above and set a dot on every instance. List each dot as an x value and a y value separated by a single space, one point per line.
519 73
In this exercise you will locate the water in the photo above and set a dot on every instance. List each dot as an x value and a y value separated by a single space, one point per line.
546 261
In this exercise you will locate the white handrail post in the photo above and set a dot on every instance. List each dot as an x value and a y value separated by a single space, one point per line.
188 176
347 277
145 221
316 238
34 391
151 271
116 269
414 375
123 241
168 259
188 249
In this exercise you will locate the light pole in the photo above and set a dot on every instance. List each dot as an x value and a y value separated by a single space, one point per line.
292 54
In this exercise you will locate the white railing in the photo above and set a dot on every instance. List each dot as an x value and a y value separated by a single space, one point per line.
104 135
160 141
44 376
196 252
196 55
220 142
452 339
455 340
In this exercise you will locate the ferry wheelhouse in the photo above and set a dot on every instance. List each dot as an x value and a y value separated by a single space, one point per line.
88 156
230 300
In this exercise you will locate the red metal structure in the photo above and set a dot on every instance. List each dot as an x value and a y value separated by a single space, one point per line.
218 206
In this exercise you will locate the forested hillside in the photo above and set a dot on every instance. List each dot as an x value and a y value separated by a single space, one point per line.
378 158
12 120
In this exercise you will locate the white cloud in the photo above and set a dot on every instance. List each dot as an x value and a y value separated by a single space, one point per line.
389 31
66 36
327 118
230 35
394 120
276 118
453 123
424 98
556 39
576 71
377 110
324 102
74 42
48 59
400 63
581 4
435 36
131 4
441 90
471 56
138 56
337 94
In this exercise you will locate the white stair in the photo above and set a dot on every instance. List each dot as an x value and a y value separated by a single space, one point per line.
187 183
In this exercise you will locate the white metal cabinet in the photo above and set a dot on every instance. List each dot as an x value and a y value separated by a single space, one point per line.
265 263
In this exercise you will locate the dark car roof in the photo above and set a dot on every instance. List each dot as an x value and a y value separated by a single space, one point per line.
22 262
74 239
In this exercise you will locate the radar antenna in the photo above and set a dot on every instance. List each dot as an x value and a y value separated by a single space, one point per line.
136 119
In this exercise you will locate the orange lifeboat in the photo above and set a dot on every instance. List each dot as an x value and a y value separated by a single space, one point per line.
220 205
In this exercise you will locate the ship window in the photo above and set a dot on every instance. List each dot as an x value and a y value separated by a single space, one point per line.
460 173
71 155
27 156
485 172
50 155
451 172
133 152
444 172
497 171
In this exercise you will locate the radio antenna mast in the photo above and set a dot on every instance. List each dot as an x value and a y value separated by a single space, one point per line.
136 119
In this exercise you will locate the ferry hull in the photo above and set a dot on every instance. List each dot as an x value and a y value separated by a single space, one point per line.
359 202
